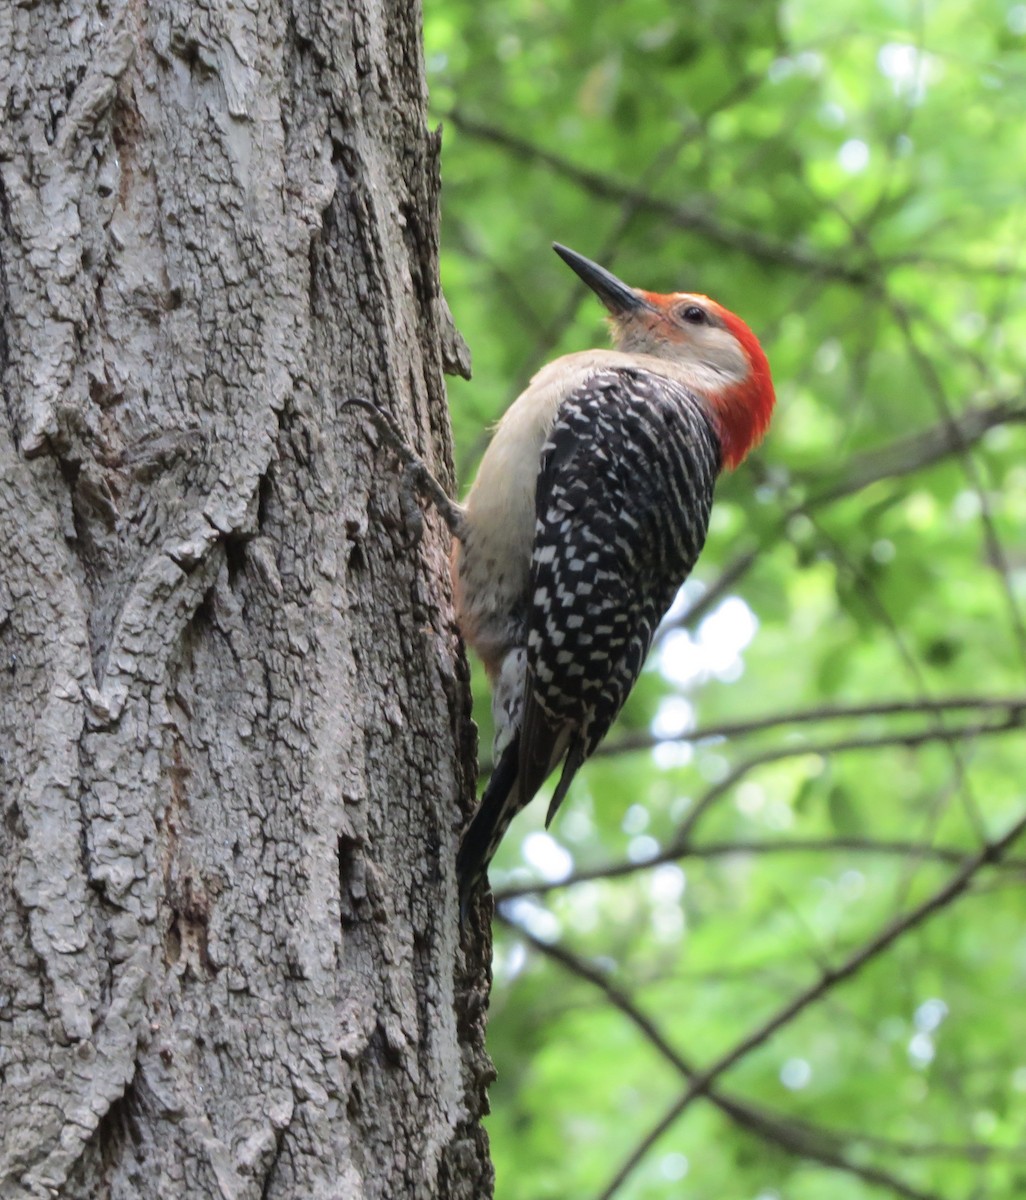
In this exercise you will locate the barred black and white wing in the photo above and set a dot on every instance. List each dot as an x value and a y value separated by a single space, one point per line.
622 507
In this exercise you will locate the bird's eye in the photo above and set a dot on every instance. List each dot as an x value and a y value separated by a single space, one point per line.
693 314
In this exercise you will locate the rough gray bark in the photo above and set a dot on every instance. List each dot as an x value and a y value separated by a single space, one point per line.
235 748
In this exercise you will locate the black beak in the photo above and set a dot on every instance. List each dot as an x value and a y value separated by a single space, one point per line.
614 293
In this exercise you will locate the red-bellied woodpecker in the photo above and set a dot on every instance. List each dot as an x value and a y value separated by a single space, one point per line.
588 512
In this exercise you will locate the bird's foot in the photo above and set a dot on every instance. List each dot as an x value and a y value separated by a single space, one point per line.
416 481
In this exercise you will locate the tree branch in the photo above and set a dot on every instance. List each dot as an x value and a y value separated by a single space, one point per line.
799 1139
991 852
826 712
917 451
1015 719
830 845
691 218
681 846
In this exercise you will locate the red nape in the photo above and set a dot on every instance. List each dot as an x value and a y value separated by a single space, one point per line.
744 411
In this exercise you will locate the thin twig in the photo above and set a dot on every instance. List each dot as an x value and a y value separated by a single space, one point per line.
825 712
917 451
1015 719
729 730
752 846
682 845
996 551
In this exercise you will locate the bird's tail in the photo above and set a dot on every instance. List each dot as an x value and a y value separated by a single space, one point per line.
499 805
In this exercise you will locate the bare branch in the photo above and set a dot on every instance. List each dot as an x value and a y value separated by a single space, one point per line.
826 712
711 850
917 451
797 1138
1014 719
829 979
690 217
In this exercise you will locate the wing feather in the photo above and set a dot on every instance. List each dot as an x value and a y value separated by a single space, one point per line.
622 508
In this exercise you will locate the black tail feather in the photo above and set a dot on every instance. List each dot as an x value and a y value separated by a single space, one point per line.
486 829
571 766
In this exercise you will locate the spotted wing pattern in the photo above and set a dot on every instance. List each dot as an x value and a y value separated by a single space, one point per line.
622 509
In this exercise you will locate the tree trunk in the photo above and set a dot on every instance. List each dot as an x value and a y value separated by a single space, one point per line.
235 747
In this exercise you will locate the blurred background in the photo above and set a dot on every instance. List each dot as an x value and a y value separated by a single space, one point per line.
779 868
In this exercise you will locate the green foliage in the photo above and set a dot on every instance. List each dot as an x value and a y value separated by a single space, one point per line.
849 178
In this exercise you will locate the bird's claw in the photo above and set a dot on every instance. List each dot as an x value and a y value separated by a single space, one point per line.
416 481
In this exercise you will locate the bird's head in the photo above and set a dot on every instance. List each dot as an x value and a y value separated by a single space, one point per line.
720 356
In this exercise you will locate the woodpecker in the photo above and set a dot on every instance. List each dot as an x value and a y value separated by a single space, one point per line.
588 512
